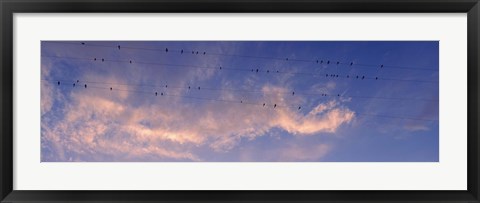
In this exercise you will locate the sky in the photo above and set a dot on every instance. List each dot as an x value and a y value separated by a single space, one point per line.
239 101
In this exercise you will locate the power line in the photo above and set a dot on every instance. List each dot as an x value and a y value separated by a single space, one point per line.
259 104
252 70
197 52
293 92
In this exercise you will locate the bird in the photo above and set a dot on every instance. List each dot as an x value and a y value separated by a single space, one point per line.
348 76
111 88
166 49
196 52
94 59
326 75
188 87
181 52
286 59
156 93
337 76
241 101
85 85
193 52
328 62
338 95
166 86
263 104
376 78
317 61
118 47
73 84
78 81
381 66
103 60
130 61
278 72
363 77
257 70
321 61
83 43
338 62
299 107
204 53
58 82
161 94
293 93
268 71
220 67
275 106
351 63
198 87
357 76
252 70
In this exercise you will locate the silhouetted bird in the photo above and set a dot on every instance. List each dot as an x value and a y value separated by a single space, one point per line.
241 101
156 93
73 84
317 61
130 61
286 59
348 76
220 67
338 94
277 71
275 106
111 88
83 43
85 85
293 93
58 82
181 52
118 47
363 77
321 61
196 52
193 52
376 78
166 49
78 81
199 87
161 94
166 86
326 75
338 62
328 62
204 53
381 66
299 107
188 87
268 71
357 76
263 104
337 76
103 60
351 63
257 70
94 59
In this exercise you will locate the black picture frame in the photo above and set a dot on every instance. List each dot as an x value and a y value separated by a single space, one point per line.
9 7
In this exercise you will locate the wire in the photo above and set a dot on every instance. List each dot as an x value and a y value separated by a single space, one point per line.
196 52
252 70
260 104
338 95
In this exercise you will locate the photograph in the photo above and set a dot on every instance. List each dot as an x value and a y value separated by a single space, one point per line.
239 101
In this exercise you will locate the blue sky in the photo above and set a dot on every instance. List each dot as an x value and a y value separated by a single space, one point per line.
210 106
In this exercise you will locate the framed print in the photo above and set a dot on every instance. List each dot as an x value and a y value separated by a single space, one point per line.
263 101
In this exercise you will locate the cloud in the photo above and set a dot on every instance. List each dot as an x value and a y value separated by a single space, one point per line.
130 124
